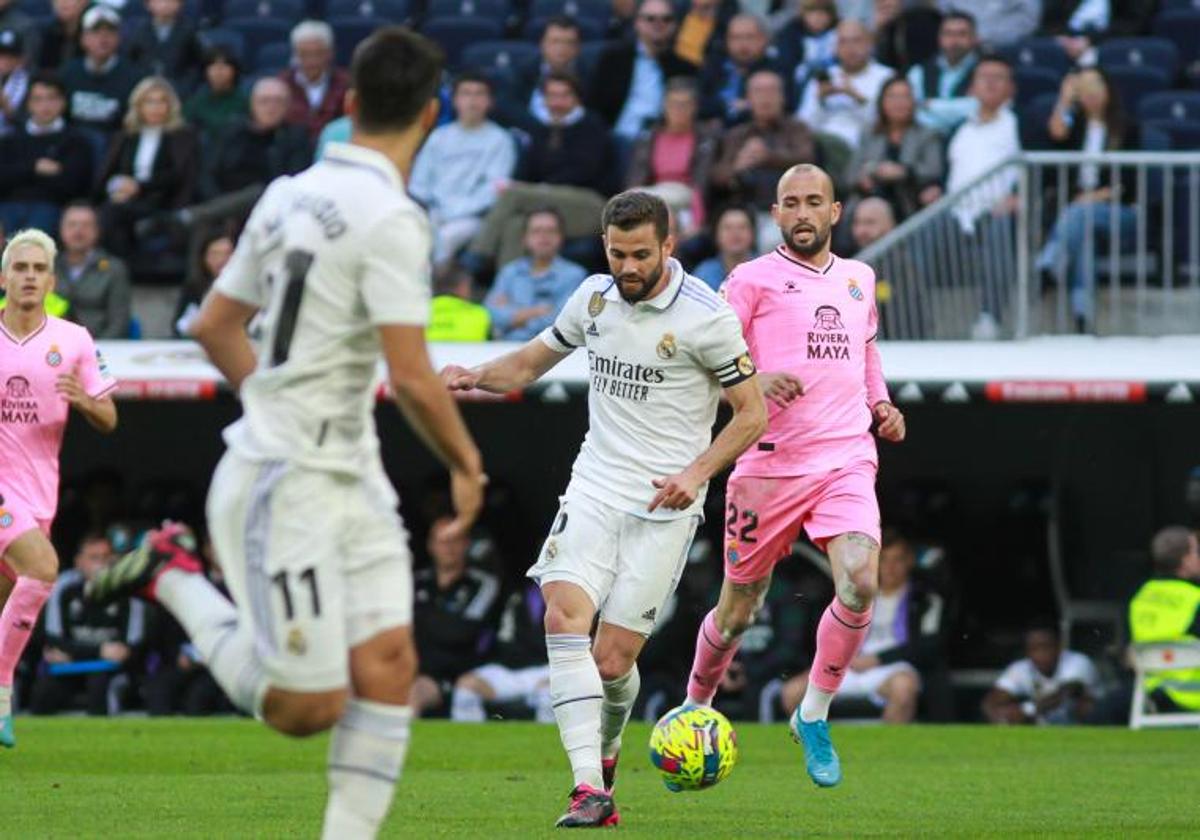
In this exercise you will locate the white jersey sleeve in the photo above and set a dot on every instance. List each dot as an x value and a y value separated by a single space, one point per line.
721 349
567 331
395 274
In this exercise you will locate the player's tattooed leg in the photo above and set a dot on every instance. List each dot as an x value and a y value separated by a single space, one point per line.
855 560
738 606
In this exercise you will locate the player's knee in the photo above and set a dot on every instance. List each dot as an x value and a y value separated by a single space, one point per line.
736 618
860 589
614 664
471 682
562 619
301 715
36 559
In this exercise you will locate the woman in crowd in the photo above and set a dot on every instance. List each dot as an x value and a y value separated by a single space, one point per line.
734 232
214 252
219 102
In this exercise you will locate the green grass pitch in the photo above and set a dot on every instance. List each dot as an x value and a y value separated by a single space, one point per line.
122 778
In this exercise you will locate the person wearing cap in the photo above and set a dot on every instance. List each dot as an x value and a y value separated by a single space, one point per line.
11 17
44 163
166 44
219 103
101 80
14 77
61 38
317 87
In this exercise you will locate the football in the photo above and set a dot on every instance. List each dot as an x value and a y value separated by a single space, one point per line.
693 747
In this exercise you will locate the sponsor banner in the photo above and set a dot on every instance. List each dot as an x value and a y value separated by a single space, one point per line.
1065 392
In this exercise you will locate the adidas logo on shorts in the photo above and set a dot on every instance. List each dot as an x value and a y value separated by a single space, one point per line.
650 614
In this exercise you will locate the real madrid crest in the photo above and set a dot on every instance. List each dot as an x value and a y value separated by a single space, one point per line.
745 365
551 549
666 347
296 643
596 304
54 358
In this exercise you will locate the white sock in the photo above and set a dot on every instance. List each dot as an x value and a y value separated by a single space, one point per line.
577 694
467 706
211 623
5 700
619 697
366 755
542 705
815 705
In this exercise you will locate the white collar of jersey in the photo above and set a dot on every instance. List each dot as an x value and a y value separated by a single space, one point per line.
664 298
354 155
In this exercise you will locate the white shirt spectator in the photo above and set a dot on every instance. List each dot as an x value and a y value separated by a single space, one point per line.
977 147
1025 682
841 114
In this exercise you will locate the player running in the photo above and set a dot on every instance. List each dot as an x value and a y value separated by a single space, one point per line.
47 367
811 316
300 511
660 347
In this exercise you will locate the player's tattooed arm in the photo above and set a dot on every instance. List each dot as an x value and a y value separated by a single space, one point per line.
510 372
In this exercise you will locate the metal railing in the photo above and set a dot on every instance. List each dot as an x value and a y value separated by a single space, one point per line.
1018 252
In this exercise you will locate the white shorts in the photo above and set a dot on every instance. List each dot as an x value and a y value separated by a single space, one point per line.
317 563
867 683
519 684
629 566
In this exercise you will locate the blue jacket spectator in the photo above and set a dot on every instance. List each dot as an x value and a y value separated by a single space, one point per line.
529 292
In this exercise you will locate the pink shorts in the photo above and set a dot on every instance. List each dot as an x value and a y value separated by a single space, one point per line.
763 516
16 520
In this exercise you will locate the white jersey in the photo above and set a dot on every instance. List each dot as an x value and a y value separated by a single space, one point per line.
656 369
328 256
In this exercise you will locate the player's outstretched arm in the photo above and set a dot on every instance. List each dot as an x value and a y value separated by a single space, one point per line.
433 415
510 372
749 421
220 328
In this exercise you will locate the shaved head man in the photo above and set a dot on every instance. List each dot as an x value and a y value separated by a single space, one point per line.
806 211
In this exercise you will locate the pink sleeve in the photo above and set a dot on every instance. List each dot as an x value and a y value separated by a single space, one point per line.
92 369
876 387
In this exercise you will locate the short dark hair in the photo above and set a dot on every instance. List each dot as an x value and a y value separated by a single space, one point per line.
225 54
1169 547
471 77
49 79
991 58
394 73
959 14
562 22
634 208
563 77
546 210
80 204
893 536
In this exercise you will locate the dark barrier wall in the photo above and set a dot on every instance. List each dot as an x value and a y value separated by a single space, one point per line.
976 478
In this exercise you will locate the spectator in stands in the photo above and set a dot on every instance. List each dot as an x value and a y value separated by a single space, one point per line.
1077 24
462 166
520 99
873 219
166 44
699 32
808 41
568 167
317 87
60 41
898 160
453 617
1049 686
151 165
258 150
44 163
1001 23
1088 117
454 313
842 100
95 283
14 79
630 77
101 80
214 253
723 82
529 292
106 638
734 232
1167 609
518 671
14 19
753 155
905 639
220 102
906 33
942 83
673 159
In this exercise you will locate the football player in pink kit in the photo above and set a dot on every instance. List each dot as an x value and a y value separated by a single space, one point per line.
810 317
47 367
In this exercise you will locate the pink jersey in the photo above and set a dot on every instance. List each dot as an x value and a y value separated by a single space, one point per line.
820 325
33 415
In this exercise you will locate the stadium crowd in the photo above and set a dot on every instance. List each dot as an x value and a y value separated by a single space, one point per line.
168 119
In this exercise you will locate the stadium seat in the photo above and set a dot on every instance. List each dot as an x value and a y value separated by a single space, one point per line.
1035 118
1182 28
272 58
500 56
1170 105
597 10
257 33
589 57
1033 82
493 9
1170 135
396 11
456 34
349 31
1156 53
1043 53
589 29
1154 658
1136 83
231 39
285 10
1180 5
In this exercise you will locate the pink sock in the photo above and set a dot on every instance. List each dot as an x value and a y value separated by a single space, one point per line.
839 636
17 620
713 655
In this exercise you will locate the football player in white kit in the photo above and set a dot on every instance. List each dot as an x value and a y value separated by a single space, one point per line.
660 346
302 516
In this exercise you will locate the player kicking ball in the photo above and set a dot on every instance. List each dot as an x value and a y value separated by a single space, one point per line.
47 367
302 516
810 316
660 347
